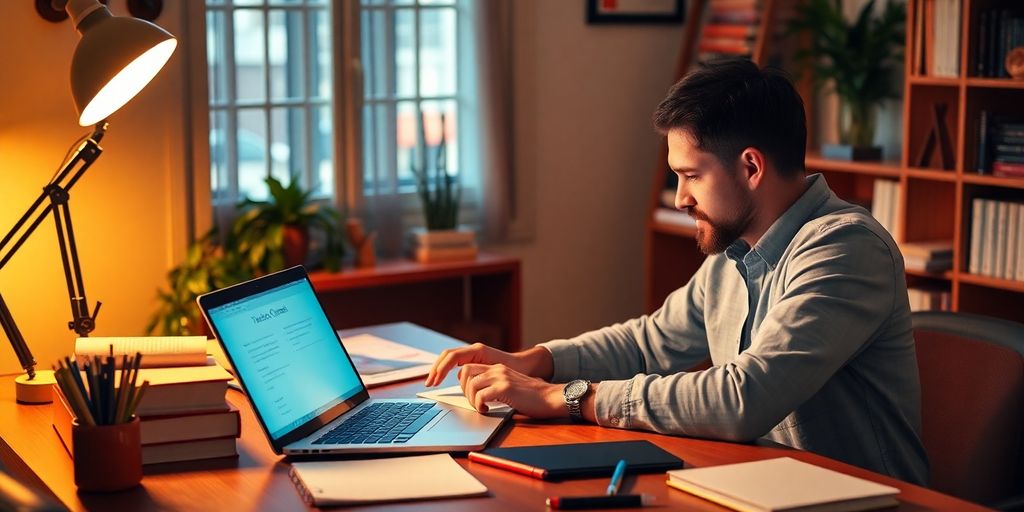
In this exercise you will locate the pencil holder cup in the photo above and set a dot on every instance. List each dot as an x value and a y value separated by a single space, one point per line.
107 457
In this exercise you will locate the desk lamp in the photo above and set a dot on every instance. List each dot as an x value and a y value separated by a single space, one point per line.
113 61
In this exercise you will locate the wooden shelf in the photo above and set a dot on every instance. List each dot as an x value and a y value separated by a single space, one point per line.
946 275
887 168
674 229
931 174
993 181
933 80
991 282
995 83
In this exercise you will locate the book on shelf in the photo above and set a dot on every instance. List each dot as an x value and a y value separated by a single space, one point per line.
937 38
996 241
443 254
442 238
885 205
1000 144
157 351
929 299
674 217
199 449
999 31
927 265
927 256
782 484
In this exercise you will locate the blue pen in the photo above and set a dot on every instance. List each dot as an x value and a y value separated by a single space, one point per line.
620 470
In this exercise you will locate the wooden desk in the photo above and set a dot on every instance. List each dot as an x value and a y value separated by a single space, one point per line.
258 480
477 300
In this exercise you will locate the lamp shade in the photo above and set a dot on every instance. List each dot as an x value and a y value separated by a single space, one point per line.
115 59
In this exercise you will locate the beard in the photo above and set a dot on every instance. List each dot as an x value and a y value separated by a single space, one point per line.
714 237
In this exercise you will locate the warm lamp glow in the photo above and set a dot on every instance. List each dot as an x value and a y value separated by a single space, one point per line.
127 83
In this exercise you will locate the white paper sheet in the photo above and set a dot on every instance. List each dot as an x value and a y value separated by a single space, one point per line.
453 396
380 361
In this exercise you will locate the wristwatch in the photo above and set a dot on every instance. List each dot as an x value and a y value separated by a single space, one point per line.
574 392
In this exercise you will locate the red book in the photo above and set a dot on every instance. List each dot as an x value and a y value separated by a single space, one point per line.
1007 168
726 30
737 48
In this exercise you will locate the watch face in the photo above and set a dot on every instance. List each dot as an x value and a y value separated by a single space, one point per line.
575 389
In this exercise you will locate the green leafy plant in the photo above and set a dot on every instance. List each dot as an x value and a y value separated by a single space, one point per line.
263 228
438 190
859 60
207 267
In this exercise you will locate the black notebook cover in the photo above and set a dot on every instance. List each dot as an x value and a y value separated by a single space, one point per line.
584 460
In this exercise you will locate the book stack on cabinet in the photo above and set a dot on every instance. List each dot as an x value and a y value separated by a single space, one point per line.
731 29
933 202
183 414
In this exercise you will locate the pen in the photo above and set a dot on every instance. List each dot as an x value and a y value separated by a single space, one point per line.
588 502
613 486
508 465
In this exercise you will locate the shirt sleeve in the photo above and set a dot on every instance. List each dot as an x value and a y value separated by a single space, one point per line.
670 340
839 292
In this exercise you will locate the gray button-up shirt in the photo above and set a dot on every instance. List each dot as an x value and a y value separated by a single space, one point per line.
809 335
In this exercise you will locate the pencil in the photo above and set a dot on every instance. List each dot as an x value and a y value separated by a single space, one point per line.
138 398
74 396
122 391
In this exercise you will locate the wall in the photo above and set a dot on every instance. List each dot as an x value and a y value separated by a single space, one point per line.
128 209
585 152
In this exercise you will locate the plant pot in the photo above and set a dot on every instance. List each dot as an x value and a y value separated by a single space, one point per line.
107 457
295 245
442 245
857 122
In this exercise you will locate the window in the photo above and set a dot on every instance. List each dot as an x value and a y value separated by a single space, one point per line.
410 52
269 74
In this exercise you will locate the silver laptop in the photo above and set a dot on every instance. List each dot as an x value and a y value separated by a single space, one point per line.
304 388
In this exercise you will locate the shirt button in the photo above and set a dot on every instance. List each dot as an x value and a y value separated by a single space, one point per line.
615 421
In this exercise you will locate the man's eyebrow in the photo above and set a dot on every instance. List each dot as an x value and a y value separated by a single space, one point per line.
684 169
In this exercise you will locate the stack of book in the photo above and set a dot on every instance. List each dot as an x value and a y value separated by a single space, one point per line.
1000 145
999 31
445 245
928 256
937 38
885 205
997 243
730 30
929 299
184 414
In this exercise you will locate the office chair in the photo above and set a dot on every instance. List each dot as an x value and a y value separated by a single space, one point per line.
972 405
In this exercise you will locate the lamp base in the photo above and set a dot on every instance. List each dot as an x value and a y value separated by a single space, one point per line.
36 391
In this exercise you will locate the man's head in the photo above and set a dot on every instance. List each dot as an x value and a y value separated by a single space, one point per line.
733 132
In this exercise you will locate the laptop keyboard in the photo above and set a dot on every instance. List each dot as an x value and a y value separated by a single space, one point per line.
381 423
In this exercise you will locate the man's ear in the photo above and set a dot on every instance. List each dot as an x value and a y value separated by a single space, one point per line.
753 166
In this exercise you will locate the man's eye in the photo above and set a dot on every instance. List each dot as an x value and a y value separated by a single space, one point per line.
690 177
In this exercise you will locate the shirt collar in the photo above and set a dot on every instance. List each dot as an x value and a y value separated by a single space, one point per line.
774 241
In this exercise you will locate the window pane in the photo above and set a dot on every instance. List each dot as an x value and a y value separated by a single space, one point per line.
437 2
247 2
320 46
286 59
379 129
437 52
216 57
272 2
288 143
405 53
220 175
407 141
323 153
252 153
376 60
250 81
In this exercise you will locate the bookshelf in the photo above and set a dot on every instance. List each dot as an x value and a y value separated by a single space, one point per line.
934 203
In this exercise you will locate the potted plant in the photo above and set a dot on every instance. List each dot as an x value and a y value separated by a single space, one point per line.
275 234
857 61
207 267
439 195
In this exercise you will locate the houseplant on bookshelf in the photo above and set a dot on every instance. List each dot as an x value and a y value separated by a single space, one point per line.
275 234
857 61
439 194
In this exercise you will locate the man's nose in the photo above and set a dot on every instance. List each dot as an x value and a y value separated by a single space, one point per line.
684 201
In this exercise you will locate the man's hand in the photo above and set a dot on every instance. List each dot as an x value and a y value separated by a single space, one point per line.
534 362
531 396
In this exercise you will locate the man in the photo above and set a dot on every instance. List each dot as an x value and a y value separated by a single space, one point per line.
801 305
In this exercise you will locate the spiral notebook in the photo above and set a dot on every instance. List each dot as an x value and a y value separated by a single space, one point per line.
354 482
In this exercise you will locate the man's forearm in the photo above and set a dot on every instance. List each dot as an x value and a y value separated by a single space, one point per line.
537 362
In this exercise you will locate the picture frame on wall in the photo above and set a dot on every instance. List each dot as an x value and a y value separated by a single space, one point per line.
634 11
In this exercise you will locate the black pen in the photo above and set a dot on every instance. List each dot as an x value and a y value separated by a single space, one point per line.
588 502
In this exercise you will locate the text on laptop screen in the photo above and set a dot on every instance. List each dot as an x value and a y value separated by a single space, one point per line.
287 354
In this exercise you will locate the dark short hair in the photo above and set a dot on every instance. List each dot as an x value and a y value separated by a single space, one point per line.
729 105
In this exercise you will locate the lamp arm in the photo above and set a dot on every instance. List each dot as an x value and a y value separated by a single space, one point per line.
58 193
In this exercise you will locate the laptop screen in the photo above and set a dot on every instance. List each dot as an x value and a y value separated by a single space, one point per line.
285 350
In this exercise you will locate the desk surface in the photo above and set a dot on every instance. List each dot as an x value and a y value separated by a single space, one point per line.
258 480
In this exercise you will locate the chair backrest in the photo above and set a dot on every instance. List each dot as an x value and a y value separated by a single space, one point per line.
972 403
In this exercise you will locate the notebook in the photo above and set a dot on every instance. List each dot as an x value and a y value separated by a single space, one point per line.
782 484
581 460
353 482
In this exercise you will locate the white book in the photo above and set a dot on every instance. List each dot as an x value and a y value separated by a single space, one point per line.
157 351
955 38
1012 232
1002 219
877 198
1019 274
353 482
988 247
782 484
895 191
977 221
